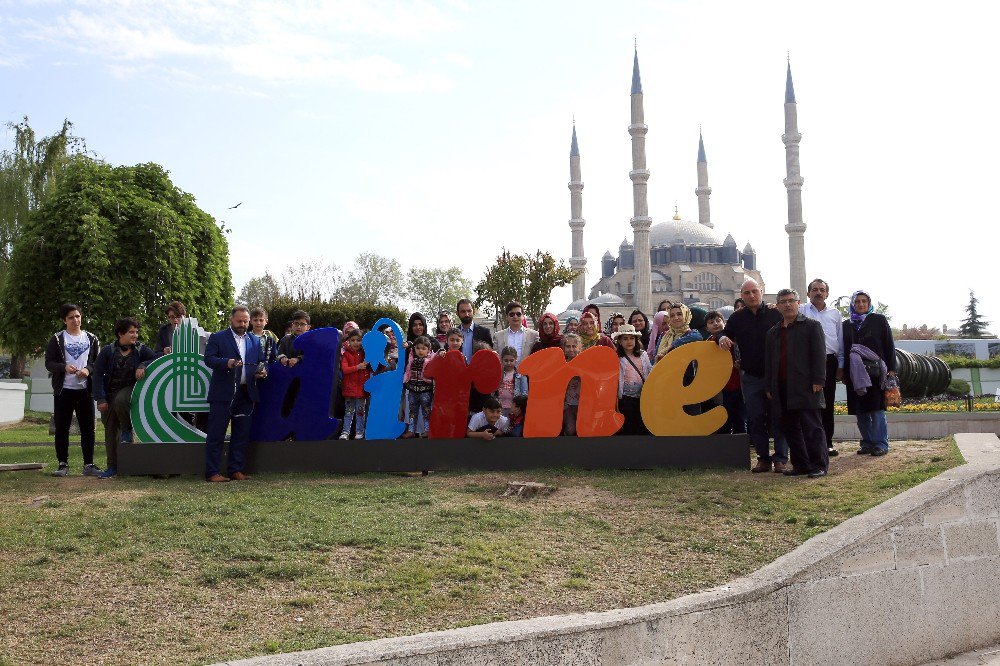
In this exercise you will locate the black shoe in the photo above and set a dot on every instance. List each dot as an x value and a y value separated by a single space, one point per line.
832 452
795 472
817 474
880 452
865 451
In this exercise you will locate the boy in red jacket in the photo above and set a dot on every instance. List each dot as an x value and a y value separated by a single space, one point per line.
356 372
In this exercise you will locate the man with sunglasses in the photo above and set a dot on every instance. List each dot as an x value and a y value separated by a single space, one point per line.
516 335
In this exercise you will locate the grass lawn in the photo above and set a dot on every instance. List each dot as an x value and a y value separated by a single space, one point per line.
35 428
177 571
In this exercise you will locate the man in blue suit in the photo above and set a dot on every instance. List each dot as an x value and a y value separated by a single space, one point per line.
234 356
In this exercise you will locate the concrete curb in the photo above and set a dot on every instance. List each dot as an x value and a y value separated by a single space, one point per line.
913 579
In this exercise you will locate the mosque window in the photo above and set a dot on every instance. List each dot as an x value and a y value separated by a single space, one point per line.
618 288
707 282
717 303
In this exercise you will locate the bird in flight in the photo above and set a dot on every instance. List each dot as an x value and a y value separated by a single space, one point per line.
236 206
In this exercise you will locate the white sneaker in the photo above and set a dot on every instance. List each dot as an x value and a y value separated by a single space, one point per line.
345 435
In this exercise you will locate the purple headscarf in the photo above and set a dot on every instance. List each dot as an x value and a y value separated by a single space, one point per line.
858 318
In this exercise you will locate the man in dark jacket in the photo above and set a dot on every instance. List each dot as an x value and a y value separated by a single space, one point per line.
118 367
795 374
236 361
69 358
747 328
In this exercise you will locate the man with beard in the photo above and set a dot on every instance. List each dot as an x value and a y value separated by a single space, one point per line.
470 332
237 363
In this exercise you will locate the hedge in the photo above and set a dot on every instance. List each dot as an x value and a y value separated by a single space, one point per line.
332 313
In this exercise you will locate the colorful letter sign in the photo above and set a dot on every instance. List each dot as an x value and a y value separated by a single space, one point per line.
384 388
548 375
453 381
664 394
305 415
176 382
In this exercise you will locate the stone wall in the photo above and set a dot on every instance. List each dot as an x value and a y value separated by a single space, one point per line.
914 579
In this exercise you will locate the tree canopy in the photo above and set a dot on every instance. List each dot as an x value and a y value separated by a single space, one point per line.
973 326
433 290
27 171
526 278
117 241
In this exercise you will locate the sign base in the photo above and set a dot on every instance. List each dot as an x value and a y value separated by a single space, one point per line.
409 455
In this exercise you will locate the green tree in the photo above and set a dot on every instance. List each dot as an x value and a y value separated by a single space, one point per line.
118 241
260 291
973 326
435 289
27 171
374 279
526 278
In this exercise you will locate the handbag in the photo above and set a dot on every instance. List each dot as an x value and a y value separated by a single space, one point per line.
874 370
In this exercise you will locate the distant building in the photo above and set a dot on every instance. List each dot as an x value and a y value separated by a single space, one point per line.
680 260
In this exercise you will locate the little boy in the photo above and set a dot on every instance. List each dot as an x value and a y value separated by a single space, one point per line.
731 396
489 423
517 413
268 340
287 354
571 346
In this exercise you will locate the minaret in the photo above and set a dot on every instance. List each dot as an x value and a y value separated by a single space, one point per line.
577 260
795 228
703 190
639 175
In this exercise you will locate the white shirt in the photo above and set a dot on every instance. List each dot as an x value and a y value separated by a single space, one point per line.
478 421
833 330
515 339
241 345
77 352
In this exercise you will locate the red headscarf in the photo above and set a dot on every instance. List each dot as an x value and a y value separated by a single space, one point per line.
553 340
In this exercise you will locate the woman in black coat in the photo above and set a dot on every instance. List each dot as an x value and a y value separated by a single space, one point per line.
868 328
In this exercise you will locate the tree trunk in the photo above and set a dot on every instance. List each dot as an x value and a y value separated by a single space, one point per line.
17 365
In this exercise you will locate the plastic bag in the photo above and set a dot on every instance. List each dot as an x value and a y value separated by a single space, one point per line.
892 397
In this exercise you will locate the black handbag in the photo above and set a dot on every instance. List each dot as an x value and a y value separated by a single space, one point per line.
874 370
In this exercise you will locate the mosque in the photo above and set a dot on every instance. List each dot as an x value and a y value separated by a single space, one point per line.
680 260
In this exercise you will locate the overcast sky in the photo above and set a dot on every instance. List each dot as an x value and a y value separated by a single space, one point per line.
438 132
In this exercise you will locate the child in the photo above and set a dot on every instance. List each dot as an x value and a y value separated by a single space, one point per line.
287 354
731 396
453 342
419 391
572 346
356 372
634 367
511 382
489 423
391 349
268 340
518 411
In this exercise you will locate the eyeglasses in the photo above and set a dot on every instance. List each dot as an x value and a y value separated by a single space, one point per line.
515 314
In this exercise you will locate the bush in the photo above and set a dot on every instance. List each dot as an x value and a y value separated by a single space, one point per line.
959 387
332 313
966 362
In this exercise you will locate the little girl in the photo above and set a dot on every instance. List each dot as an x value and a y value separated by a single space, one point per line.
511 383
356 372
634 367
419 391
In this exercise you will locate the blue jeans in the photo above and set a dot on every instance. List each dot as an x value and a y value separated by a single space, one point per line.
874 430
420 410
761 423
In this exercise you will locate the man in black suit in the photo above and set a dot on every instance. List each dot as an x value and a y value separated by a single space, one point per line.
236 360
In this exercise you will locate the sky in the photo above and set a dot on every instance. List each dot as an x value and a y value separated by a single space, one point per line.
438 132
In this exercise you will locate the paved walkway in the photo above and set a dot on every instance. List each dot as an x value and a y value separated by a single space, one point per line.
986 657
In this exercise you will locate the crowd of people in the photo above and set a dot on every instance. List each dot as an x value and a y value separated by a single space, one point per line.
787 358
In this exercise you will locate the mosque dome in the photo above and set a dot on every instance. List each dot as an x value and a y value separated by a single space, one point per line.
692 233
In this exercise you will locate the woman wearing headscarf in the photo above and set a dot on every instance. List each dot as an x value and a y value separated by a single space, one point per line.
548 332
614 321
659 329
572 324
640 322
416 327
594 310
870 356
590 333
680 332
444 324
